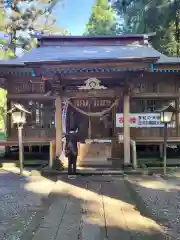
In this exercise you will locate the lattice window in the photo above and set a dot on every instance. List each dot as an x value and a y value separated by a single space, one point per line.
150 105
42 113
146 87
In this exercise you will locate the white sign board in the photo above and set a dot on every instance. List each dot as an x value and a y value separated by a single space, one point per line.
141 120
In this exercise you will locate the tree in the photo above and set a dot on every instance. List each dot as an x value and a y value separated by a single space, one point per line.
4 53
2 108
145 16
2 17
102 20
22 19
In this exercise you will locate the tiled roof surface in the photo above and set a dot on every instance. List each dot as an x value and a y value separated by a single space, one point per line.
78 53
165 59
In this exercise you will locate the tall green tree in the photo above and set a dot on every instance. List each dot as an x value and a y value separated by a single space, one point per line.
102 20
145 16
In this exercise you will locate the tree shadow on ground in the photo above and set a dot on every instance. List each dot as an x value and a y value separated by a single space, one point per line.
157 199
94 208
22 198
77 208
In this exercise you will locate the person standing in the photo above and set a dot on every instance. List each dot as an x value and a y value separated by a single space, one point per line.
71 151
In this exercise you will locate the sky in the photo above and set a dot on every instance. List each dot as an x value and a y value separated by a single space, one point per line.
73 15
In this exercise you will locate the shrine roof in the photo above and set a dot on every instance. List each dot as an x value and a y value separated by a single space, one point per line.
65 49
130 37
168 60
64 54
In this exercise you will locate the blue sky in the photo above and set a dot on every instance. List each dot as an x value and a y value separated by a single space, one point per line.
73 15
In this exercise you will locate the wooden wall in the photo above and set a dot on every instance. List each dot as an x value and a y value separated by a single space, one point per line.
150 92
41 123
157 91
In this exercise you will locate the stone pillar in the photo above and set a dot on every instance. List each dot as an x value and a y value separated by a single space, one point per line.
58 114
126 109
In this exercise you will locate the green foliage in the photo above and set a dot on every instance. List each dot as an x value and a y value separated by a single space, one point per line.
2 17
145 16
27 17
4 55
3 109
102 20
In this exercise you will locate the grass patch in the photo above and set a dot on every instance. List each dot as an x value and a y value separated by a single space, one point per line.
3 136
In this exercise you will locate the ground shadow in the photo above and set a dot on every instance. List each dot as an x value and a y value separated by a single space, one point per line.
22 198
78 210
158 200
80 216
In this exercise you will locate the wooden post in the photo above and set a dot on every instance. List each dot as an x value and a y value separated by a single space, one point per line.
58 106
126 109
177 117
134 153
21 149
165 149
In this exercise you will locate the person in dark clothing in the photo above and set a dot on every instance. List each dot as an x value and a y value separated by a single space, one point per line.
71 151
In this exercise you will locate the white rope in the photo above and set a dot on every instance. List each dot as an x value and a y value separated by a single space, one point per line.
96 114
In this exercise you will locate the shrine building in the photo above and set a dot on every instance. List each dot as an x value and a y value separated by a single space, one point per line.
108 87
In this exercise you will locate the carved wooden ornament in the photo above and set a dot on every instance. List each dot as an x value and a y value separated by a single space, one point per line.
92 83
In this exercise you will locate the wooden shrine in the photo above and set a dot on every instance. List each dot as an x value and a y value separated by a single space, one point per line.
111 86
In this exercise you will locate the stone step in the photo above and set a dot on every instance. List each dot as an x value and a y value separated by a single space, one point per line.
94 171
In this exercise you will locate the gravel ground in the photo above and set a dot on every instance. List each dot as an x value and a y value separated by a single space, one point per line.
162 199
20 200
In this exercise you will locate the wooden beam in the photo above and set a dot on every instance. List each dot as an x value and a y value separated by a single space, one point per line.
94 93
156 95
30 96
155 140
133 63
166 66
101 75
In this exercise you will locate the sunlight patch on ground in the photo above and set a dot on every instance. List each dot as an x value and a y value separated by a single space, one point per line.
157 184
39 185
92 203
153 184
16 170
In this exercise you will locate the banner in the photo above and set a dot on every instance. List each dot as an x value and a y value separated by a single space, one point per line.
141 120
64 114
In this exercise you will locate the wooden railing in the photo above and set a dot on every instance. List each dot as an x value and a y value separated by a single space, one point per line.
152 132
34 133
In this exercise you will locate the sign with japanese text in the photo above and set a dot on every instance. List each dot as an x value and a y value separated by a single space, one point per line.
141 120
92 102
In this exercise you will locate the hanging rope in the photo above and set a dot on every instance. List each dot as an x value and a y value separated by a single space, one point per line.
96 114
89 123
89 127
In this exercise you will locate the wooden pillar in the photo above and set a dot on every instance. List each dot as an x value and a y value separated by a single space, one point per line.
58 107
177 117
126 109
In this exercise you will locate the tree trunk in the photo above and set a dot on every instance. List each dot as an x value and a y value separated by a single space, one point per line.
177 27
12 45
